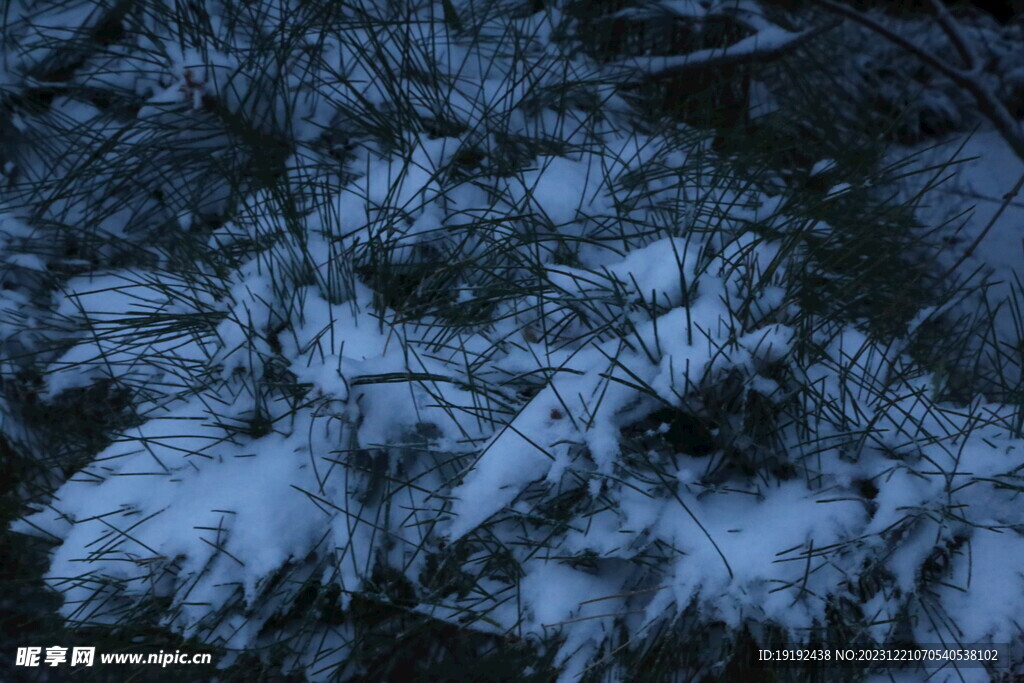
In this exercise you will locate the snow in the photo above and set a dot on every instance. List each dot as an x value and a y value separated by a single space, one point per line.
293 415
769 39
988 570
985 170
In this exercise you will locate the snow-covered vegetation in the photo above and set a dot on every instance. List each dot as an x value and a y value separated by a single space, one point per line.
394 339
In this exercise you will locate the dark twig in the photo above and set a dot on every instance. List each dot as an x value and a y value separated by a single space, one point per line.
987 102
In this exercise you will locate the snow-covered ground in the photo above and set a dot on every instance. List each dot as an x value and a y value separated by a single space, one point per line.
984 172
972 204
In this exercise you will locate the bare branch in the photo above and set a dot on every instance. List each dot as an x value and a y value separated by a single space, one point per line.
765 45
952 31
988 103
893 37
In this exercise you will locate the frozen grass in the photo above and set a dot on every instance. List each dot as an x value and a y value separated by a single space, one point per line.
390 339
